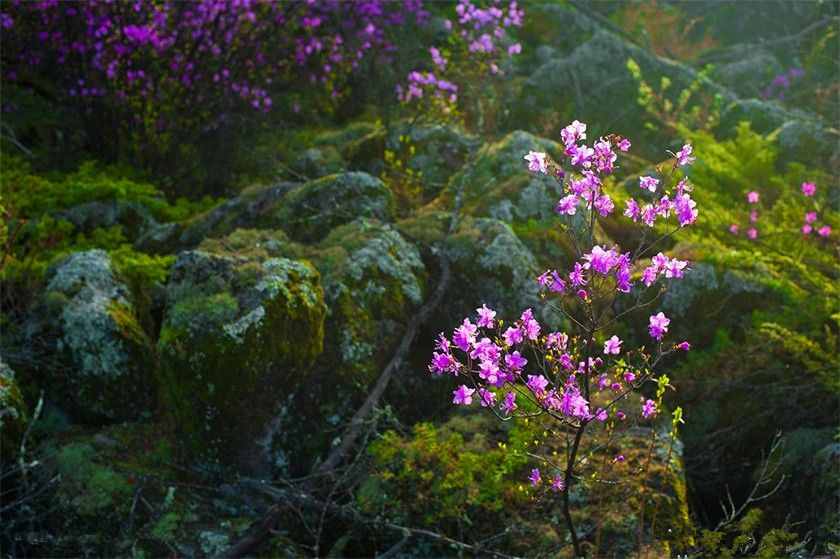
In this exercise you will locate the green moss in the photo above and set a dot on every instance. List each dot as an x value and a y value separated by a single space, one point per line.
312 210
91 489
14 413
227 334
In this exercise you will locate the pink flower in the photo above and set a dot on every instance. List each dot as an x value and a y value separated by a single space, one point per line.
572 133
462 396
557 483
752 197
648 183
508 405
684 345
733 228
649 409
658 325
486 398
624 144
535 477
810 217
515 48
567 205
612 346
824 231
629 376
806 229
753 216
684 156
536 162
809 188
513 336
752 233
485 317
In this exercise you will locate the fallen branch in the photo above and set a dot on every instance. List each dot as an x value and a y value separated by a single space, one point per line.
354 428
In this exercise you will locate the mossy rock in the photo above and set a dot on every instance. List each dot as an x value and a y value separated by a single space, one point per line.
374 280
134 218
101 365
491 265
433 151
253 208
14 414
233 326
312 210
497 183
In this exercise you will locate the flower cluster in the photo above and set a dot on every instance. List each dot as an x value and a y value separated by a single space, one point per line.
222 55
810 219
478 41
597 161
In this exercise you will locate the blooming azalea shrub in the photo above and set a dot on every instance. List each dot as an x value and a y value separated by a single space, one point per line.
163 74
583 376
477 48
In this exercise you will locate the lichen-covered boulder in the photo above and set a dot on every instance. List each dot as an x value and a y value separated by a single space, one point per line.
310 211
134 217
318 162
435 152
748 71
238 332
374 280
497 183
253 208
14 414
102 363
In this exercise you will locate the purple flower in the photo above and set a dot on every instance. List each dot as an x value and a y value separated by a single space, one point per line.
633 211
684 156
515 362
674 268
686 209
612 346
485 317
557 484
684 345
486 398
809 188
567 205
556 340
624 144
508 405
489 372
600 260
648 183
462 396
464 336
658 326
535 477
513 336
581 155
537 384
824 231
810 217
536 162
572 133
515 48
752 197
604 205
752 233
806 229
530 325
649 409
443 363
